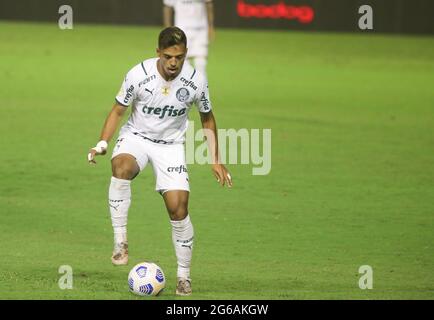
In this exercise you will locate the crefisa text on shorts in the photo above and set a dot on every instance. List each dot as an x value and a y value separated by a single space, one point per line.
236 146
218 309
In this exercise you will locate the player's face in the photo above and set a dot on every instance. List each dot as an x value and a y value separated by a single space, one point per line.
171 60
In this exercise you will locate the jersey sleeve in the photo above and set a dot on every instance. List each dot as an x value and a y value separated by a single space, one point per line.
203 101
127 92
169 3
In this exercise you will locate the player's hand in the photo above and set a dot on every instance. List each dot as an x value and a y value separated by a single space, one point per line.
99 149
222 174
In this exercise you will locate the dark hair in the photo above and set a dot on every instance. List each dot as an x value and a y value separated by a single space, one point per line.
171 36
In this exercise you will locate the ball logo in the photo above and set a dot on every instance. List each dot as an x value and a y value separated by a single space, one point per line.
131 283
182 94
159 276
146 289
141 271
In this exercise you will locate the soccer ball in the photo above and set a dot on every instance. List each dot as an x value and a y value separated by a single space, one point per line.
146 279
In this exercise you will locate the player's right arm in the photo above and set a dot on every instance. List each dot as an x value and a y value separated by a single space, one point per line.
110 126
124 98
168 13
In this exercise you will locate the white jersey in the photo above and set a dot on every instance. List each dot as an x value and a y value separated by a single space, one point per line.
189 14
159 107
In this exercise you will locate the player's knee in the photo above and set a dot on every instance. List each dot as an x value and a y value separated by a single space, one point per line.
176 204
177 213
122 173
124 168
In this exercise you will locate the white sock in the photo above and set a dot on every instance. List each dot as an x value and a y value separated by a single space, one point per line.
182 237
119 203
200 65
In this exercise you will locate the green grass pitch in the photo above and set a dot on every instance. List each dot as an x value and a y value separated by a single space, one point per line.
351 184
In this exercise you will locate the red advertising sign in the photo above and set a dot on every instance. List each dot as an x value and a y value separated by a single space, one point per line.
304 14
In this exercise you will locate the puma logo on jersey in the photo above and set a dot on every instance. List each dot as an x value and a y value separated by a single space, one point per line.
151 92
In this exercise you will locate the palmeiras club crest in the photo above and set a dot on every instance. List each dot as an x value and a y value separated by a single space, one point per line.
182 94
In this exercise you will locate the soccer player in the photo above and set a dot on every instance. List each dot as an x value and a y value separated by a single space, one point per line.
196 18
161 92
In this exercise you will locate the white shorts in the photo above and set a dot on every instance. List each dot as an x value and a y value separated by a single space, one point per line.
167 160
197 42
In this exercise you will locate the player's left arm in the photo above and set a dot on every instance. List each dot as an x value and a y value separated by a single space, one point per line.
210 16
210 130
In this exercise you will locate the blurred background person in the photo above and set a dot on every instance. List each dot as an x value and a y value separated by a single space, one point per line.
196 19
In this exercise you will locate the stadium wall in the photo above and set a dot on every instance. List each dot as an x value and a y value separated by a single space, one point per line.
389 16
